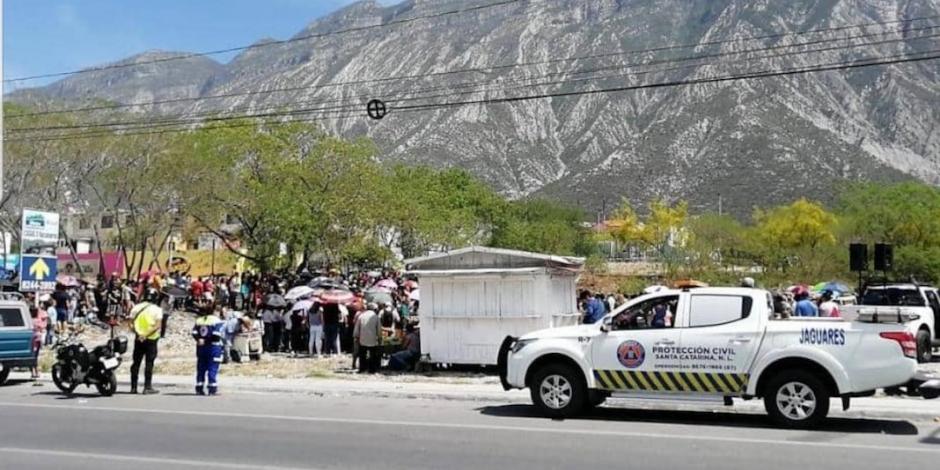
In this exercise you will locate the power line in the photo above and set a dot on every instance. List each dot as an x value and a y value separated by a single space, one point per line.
267 44
216 116
871 62
190 120
502 67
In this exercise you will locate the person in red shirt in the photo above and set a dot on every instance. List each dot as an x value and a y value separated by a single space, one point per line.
197 288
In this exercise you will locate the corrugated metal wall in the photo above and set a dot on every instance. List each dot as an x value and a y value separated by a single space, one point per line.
465 318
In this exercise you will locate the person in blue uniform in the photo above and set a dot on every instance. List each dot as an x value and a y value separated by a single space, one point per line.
209 333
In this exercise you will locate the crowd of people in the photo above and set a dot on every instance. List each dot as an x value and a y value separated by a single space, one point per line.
798 301
375 316
378 315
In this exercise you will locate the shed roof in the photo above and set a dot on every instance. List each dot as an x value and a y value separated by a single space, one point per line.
500 258
476 272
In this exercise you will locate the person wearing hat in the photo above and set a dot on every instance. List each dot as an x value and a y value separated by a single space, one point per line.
148 321
367 333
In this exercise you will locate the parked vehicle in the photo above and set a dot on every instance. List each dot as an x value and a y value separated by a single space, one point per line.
917 305
16 335
75 365
718 342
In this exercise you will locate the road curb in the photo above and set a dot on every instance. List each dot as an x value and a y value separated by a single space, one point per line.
353 391
522 397
405 391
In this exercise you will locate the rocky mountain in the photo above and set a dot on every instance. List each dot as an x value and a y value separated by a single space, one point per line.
149 76
755 142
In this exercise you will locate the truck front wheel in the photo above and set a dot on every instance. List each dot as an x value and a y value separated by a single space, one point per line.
796 399
559 391
4 373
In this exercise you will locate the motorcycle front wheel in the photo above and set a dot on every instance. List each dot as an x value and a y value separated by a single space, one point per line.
66 384
108 385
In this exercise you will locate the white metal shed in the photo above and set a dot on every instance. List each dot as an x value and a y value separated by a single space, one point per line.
473 297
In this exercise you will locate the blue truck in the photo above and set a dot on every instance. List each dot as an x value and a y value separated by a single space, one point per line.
16 335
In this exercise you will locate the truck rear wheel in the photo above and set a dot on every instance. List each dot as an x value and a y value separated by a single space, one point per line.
924 347
796 399
559 391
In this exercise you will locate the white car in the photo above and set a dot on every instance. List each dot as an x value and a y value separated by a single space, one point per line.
918 305
719 342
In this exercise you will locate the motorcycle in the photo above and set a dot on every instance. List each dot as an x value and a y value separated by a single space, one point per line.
75 365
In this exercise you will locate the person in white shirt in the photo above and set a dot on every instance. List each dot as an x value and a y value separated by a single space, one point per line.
827 306
368 334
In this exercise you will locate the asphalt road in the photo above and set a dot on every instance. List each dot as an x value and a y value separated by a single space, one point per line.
40 429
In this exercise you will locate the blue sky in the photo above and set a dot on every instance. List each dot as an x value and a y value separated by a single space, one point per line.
44 36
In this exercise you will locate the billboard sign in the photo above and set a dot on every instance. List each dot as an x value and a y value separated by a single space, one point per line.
40 238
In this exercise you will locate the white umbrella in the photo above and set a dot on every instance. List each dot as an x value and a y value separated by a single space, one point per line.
302 305
299 292
415 295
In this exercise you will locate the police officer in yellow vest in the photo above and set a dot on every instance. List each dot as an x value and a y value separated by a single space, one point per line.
148 318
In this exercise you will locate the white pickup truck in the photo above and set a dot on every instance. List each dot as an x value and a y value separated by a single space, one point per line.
917 305
720 342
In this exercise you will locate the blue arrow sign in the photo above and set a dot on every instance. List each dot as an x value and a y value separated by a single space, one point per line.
37 273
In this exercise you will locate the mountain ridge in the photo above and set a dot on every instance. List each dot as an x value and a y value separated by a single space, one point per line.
757 142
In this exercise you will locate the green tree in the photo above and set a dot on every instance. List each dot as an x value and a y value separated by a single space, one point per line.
663 230
902 214
905 214
797 240
424 209
542 226
715 243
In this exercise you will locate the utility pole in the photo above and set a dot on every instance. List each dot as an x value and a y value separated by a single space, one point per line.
213 255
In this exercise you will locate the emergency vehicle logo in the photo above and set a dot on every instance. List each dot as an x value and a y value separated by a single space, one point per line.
631 354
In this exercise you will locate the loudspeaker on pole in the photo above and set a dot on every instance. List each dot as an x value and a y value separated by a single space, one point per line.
884 257
858 257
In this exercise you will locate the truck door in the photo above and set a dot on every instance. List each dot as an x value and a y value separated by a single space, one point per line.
624 359
16 334
720 340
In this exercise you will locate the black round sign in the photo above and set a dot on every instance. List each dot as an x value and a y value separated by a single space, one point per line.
376 109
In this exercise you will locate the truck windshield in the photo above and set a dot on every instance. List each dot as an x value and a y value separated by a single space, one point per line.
894 297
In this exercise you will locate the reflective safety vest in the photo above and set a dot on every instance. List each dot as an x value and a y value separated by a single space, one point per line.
146 316
210 329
